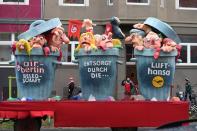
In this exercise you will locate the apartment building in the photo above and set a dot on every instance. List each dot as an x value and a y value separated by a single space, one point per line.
15 17
180 14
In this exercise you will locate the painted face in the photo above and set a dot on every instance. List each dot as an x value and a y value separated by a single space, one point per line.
86 39
169 42
136 39
128 79
38 41
58 37
106 40
152 40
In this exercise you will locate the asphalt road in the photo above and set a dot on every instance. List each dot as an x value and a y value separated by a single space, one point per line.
86 129
79 129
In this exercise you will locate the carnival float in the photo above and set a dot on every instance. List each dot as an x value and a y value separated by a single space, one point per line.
157 49
38 51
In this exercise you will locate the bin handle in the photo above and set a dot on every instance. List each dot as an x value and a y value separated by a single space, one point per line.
75 61
179 61
12 62
119 62
57 63
133 60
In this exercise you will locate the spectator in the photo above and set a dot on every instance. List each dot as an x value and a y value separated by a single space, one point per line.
128 87
69 89
188 89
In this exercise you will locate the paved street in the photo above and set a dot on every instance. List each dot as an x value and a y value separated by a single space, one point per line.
79 129
86 129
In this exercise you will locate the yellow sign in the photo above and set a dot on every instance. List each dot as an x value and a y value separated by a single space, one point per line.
158 81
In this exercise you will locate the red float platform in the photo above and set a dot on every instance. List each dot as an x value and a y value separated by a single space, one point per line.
99 113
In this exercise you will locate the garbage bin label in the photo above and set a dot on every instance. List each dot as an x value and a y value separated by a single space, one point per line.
155 76
159 68
30 71
158 81
98 72
97 69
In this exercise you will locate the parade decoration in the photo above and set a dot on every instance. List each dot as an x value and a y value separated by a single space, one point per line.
136 39
56 38
156 48
100 68
116 30
86 41
39 49
88 24
38 41
36 55
23 45
108 28
97 56
74 28
104 41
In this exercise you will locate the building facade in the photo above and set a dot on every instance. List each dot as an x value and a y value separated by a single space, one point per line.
15 17
180 14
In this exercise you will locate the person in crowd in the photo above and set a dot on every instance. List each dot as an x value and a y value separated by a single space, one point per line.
188 89
68 90
129 87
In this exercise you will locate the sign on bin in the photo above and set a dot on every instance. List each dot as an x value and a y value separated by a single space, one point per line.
155 76
35 74
98 72
32 72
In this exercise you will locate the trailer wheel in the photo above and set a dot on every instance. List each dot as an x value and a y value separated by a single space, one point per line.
124 128
28 124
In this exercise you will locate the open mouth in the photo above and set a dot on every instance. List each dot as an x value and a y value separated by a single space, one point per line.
85 43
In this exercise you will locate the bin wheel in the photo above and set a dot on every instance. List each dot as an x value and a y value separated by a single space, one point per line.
124 128
28 124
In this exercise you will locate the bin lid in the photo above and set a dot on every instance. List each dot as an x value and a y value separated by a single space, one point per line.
39 27
162 27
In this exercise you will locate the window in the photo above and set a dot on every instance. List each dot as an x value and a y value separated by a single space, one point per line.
15 2
5 53
110 2
68 52
189 38
186 4
74 2
189 49
162 3
5 36
129 52
183 56
188 54
6 40
193 54
138 2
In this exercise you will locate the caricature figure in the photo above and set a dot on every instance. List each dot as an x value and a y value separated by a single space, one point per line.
57 38
38 41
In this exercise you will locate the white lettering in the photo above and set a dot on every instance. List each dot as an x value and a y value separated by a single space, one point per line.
95 75
159 65
158 72
97 63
